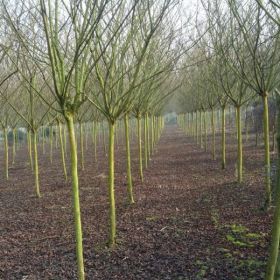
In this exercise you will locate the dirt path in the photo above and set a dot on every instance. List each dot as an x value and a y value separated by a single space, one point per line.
190 221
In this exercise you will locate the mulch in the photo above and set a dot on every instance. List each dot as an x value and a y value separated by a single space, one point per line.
191 220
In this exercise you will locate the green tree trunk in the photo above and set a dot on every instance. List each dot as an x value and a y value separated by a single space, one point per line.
128 162
86 136
18 140
193 126
62 150
43 139
56 137
65 140
213 134
51 144
200 129
145 142
196 127
140 148
95 141
267 151
104 137
205 131
14 145
111 187
273 272
30 148
6 153
148 137
36 166
223 138
240 149
75 195
153 133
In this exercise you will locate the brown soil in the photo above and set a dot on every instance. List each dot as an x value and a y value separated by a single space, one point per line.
191 219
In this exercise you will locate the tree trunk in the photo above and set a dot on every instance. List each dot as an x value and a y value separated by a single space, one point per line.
148 136
95 141
14 145
213 134
111 190
30 149
65 141
51 144
145 142
274 259
223 138
62 150
140 148
200 129
128 162
153 133
6 153
267 152
36 166
103 134
239 140
75 195
205 132
43 139
196 127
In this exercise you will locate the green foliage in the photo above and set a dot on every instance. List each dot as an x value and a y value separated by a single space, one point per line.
152 218
203 268
215 218
240 236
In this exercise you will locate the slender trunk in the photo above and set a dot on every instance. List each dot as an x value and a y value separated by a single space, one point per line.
205 132
267 151
51 144
274 258
86 136
36 166
140 148
30 148
148 136
196 127
56 137
14 145
200 130
153 133
103 134
213 134
62 150
239 140
193 127
223 138
6 153
43 139
145 142
17 140
128 162
75 197
95 141
111 187
65 140
246 125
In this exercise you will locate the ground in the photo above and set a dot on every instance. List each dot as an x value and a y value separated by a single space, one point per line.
191 220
